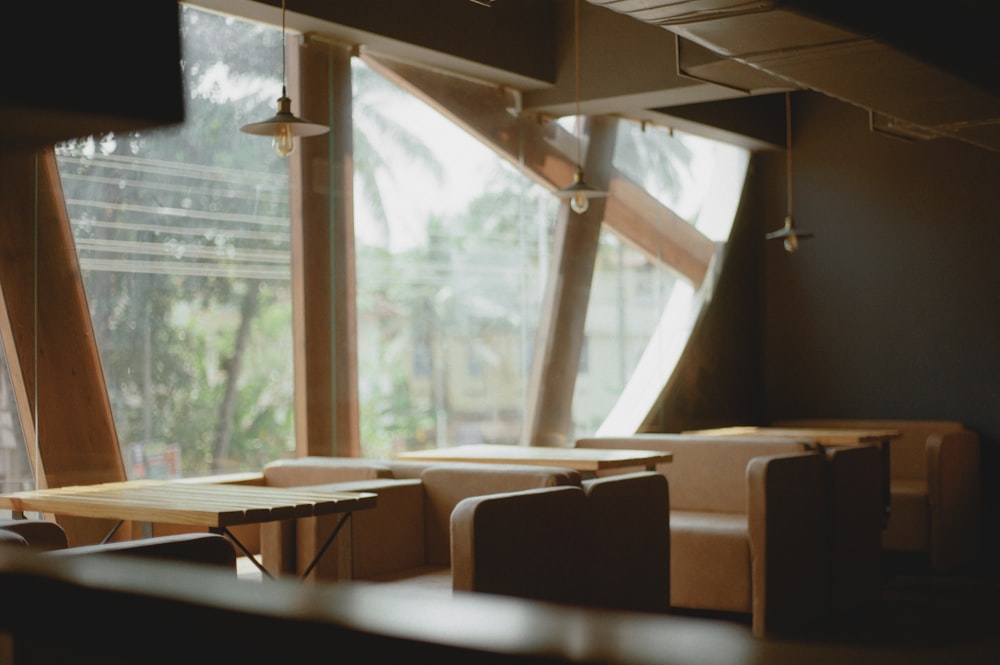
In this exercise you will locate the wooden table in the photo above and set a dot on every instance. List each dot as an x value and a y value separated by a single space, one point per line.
826 436
587 460
831 436
214 506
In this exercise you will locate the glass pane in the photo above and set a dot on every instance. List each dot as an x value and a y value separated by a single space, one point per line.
15 469
641 311
627 298
701 180
452 255
183 239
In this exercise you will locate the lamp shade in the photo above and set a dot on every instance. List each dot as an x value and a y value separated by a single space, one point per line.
579 193
284 126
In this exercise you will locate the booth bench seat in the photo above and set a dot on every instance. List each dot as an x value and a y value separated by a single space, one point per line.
751 522
605 544
529 531
406 537
935 488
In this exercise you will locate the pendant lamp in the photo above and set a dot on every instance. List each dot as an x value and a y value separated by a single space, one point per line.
788 233
283 126
578 192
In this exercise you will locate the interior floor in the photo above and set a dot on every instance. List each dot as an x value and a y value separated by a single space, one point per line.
918 609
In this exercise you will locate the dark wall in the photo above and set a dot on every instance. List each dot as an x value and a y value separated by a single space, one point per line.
893 309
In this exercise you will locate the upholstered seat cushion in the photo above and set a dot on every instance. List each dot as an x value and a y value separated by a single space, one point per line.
709 561
908 529
431 578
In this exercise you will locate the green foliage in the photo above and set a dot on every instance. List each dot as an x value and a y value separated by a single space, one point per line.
184 241
172 227
427 310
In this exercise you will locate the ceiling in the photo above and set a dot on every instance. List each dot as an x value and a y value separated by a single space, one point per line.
923 72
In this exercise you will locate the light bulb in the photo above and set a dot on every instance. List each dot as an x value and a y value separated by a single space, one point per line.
579 202
791 243
283 143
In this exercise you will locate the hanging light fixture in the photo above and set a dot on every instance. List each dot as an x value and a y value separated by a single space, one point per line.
788 232
578 192
284 126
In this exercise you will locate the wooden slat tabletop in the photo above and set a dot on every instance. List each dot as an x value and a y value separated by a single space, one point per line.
580 459
187 503
829 436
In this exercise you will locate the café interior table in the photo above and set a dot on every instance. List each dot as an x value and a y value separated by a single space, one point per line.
585 460
826 436
829 436
215 506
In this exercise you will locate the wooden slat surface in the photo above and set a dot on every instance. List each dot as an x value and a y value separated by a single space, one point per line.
580 459
829 436
187 503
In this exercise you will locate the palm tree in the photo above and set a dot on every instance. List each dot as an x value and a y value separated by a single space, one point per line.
386 149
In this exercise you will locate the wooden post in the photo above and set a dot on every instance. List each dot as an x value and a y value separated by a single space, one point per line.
323 263
560 335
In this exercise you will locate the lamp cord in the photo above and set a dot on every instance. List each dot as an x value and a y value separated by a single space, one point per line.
576 81
284 91
788 150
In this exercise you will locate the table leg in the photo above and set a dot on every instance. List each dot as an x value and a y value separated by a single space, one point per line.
112 532
326 545
243 548
319 554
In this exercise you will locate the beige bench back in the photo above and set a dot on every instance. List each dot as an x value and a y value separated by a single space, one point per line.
708 473
322 470
606 544
447 484
628 523
529 543
908 453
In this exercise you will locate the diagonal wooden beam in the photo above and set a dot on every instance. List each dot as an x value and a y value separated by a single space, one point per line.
548 416
49 339
489 113
657 231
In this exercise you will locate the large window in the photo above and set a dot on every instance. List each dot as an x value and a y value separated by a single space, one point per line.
183 239
453 244
15 470
642 310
